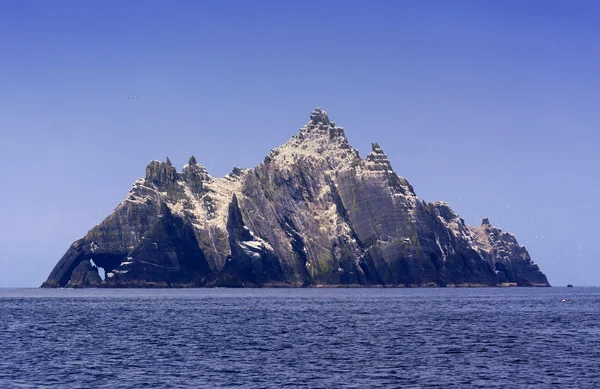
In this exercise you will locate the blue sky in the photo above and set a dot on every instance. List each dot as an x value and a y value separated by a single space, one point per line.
488 105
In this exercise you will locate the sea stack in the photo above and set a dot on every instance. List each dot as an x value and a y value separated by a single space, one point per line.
313 213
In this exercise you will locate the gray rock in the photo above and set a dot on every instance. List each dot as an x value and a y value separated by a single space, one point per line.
85 275
312 213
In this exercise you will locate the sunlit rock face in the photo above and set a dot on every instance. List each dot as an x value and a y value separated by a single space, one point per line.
313 213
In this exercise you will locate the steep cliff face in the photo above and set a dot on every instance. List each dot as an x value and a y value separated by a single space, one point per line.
312 213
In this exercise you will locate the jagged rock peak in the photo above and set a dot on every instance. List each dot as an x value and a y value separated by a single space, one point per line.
161 173
377 160
195 175
318 140
194 166
485 222
319 116
320 123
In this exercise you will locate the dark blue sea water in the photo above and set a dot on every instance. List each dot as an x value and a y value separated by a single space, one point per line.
306 338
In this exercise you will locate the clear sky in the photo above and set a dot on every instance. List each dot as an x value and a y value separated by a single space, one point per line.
491 106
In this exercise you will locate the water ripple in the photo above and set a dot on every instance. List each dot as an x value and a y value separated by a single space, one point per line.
300 338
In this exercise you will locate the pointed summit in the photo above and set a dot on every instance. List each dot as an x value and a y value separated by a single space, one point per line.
195 175
162 174
319 140
377 160
485 222
319 116
319 122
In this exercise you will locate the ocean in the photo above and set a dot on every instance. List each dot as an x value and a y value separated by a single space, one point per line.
300 338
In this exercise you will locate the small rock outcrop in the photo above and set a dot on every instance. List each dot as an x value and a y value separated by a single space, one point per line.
85 275
313 213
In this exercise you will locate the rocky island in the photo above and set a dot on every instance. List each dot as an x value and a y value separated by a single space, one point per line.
313 213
